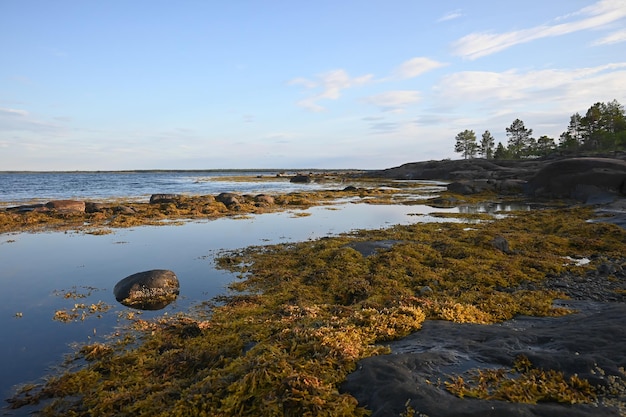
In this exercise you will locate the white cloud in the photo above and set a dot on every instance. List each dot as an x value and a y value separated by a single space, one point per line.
514 85
476 45
394 100
331 84
416 66
615 37
450 15
546 97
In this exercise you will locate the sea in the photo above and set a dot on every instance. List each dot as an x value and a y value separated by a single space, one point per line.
32 187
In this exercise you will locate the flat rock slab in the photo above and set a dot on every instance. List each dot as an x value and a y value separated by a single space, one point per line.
580 343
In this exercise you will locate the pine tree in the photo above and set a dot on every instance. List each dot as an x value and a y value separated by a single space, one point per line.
466 144
486 145
519 139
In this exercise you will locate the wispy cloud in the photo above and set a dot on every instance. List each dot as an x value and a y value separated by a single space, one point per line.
394 100
329 86
476 45
454 14
565 89
416 66
615 37
13 120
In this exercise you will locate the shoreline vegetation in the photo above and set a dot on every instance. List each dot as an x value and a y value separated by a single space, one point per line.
300 316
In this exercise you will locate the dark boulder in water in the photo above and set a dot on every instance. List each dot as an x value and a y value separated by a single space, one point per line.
148 290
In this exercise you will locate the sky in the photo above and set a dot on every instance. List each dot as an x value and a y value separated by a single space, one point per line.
354 84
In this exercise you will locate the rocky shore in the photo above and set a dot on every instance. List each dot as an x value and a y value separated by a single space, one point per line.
522 315
590 343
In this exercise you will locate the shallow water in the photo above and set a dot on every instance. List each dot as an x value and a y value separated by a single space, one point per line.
37 269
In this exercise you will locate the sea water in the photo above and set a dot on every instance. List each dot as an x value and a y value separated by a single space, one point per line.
22 187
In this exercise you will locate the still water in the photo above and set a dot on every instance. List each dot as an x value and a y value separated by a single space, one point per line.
37 269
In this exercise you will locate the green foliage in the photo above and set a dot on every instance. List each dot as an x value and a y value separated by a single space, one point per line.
602 128
487 143
466 144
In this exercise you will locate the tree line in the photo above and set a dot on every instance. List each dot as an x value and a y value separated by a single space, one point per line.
602 128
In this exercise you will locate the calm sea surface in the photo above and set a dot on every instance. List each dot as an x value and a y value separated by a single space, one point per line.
36 270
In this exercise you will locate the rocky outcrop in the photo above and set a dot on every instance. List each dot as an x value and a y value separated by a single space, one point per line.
590 344
583 179
148 290
464 169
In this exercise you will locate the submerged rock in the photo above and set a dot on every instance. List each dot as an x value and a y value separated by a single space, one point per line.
148 290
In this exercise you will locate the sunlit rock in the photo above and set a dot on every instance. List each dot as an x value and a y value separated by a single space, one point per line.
148 290
66 206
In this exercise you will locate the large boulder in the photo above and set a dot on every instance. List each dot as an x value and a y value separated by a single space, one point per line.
585 179
301 179
263 200
230 199
66 206
148 290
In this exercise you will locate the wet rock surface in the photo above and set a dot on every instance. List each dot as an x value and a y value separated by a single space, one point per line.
590 343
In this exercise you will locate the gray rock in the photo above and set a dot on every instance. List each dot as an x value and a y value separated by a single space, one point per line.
91 207
584 179
300 178
501 244
66 206
578 344
229 199
148 290
264 200
163 198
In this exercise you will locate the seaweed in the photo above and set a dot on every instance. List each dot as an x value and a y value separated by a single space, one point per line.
301 315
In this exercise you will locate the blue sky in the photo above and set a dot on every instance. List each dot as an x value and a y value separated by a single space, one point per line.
97 85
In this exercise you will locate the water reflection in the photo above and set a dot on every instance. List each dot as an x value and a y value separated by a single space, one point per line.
493 208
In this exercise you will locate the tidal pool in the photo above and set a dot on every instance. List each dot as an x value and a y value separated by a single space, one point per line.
48 272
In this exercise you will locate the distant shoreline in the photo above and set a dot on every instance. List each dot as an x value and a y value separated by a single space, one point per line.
141 171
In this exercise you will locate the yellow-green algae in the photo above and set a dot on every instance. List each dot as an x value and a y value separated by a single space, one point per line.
523 384
303 314
190 207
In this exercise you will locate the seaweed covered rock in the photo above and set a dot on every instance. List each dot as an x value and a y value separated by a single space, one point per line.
229 199
148 290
